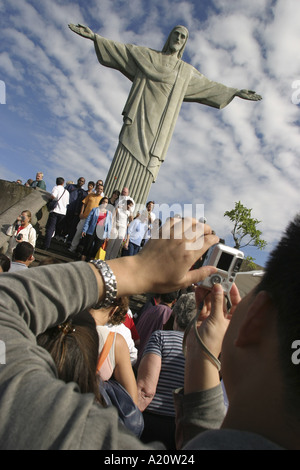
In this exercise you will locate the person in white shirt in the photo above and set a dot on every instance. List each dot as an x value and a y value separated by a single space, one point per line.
123 214
56 215
126 333
135 234
21 231
148 212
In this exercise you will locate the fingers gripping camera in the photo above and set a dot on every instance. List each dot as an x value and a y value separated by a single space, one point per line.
227 260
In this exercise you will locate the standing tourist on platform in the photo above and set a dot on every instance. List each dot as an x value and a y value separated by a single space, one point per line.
96 229
70 222
21 231
122 216
39 182
91 201
56 215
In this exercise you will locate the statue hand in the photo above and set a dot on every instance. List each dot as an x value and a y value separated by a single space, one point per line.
82 30
248 95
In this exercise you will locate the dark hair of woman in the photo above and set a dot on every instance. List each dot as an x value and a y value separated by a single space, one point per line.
122 304
74 347
102 200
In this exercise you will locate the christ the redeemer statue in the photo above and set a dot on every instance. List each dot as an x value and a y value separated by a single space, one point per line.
161 81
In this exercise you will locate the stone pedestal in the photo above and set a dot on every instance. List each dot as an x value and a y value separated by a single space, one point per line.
126 171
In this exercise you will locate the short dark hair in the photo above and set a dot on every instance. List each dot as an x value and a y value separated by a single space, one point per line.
4 262
281 281
169 297
23 251
60 180
102 199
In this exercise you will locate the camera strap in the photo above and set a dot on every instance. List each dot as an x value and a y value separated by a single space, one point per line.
193 323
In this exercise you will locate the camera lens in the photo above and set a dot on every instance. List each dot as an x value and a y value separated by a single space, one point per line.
216 279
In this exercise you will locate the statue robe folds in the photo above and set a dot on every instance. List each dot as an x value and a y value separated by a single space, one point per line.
161 83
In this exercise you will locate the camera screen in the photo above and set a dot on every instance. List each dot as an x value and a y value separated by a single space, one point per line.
224 261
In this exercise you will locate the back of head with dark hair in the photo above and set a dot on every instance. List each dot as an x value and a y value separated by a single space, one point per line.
60 180
23 251
281 281
4 262
74 347
169 297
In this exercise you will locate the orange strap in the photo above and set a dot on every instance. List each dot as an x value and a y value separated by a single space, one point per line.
105 350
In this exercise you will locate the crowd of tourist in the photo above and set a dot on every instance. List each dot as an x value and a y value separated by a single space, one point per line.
167 374
88 219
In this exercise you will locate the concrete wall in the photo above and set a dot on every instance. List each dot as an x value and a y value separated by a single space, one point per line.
14 199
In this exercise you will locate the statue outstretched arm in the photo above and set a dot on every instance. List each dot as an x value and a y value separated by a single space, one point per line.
248 95
82 30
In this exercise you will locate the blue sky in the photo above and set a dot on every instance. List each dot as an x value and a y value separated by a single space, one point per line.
62 111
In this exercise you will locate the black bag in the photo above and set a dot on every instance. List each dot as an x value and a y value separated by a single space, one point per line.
51 205
115 395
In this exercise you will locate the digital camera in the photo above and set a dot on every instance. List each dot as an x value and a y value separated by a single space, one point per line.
228 262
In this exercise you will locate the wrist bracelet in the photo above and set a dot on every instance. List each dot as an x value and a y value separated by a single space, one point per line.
110 284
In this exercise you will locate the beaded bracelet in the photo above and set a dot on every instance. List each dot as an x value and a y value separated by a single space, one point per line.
110 284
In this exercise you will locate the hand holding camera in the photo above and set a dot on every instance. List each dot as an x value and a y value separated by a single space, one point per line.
228 261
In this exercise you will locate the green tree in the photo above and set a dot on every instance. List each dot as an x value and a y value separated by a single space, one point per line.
245 232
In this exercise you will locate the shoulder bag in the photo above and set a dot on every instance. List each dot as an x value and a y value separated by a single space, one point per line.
114 394
51 205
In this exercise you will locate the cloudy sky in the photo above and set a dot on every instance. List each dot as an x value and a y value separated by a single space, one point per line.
60 110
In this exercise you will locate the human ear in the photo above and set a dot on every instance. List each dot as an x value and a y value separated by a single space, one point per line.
256 320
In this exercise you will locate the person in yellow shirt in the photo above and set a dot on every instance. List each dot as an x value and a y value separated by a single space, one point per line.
89 202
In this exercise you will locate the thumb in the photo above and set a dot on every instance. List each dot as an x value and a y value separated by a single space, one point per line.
198 275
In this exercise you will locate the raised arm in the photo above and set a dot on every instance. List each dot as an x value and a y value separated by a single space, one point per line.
44 296
164 264
201 405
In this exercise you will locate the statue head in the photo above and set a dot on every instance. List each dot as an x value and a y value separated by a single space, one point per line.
177 40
